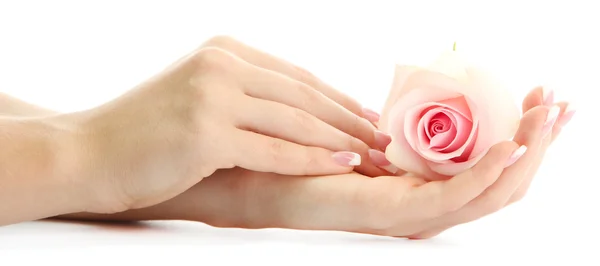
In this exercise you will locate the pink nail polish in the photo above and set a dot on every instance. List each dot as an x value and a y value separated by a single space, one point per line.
371 115
547 96
566 116
516 155
378 159
382 140
550 120
346 158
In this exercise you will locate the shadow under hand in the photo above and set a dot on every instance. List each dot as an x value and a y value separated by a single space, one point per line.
77 233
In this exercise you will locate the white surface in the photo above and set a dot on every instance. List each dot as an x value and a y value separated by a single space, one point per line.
72 55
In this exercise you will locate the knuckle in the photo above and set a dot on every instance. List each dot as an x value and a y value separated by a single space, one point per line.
312 162
276 149
353 144
303 119
305 76
212 58
310 97
360 128
220 41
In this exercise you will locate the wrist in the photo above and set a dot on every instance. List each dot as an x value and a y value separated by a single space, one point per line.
36 170
68 159
82 163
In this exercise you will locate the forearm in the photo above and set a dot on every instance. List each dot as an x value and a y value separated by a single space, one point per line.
36 176
11 106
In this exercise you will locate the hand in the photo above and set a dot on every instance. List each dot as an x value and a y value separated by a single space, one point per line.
536 98
405 206
218 108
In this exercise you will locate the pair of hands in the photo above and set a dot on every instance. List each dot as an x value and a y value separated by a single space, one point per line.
216 115
225 105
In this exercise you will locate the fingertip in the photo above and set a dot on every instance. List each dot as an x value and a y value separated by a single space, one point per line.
382 140
370 115
533 98
567 110
495 159
547 96
378 158
504 148
539 96
515 155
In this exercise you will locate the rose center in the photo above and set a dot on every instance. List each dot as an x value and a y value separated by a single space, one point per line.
440 123
440 130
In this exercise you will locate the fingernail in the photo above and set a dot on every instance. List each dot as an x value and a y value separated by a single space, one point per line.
516 155
567 115
371 115
378 159
347 158
547 96
550 120
382 140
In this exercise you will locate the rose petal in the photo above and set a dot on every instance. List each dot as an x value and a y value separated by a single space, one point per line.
413 86
460 105
493 115
416 138
464 129
453 168
499 119
400 153
402 156
428 112
442 140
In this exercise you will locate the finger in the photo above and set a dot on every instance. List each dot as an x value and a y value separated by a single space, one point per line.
262 153
567 112
288 123
268 85
270 62
438 198
538 96
378 158
294 125
530 135
522 190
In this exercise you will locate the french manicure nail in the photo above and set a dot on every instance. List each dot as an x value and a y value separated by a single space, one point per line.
550 120
382 140
371 115
346 158
547 96
516 155
378 159
567 115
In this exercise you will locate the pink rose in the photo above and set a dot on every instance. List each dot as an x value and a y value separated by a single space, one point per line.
444 118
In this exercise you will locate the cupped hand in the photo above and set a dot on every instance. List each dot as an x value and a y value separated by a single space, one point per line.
401 206
225 105
537 98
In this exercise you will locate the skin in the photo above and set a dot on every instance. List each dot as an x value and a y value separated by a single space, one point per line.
406 206
212 109
237 196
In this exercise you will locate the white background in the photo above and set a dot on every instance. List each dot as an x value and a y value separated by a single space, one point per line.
73 55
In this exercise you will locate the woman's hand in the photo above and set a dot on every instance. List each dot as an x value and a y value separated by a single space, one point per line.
225 105
405 206
536 98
